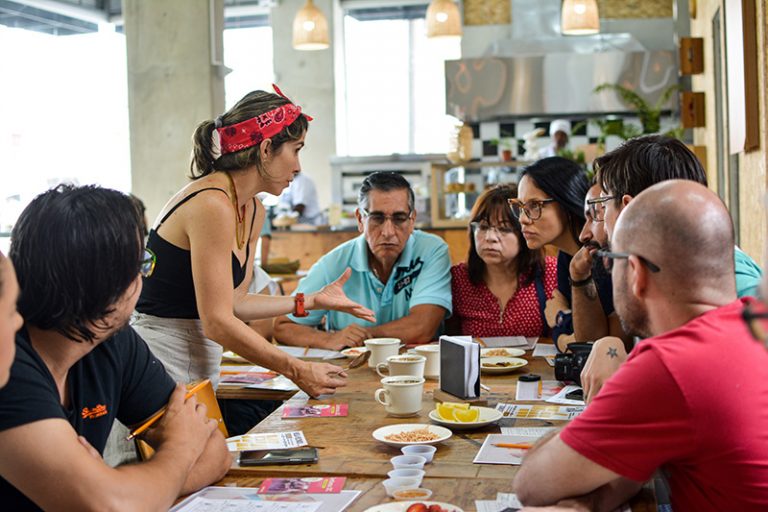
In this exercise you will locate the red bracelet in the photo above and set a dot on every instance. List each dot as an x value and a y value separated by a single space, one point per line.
298 309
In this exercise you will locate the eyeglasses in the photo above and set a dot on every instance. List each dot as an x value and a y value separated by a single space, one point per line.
483 228
598 213
531 209
755 315
608 258
147 263
377 219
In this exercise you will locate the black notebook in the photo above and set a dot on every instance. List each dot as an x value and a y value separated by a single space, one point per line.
459 367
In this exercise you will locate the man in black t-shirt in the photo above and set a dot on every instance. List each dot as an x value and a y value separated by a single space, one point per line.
78 254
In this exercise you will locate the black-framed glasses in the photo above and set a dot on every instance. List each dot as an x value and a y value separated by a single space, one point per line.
597 207
755 314
531 209
377 219
481 229
608 257
147 263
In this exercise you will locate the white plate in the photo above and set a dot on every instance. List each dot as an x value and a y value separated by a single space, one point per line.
487 416
380 433
515 363
352 352
510 352
402 506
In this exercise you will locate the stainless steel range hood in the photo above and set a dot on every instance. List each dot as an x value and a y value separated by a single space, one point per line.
538 72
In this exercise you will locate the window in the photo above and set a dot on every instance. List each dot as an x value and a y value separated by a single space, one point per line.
248 52
64 105
394 84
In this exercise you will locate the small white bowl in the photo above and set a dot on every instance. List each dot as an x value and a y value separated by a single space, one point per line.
407 473
422 450
410 494
408 462
395 484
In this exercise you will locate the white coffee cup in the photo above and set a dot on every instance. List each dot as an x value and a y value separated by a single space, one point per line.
405 364
432 366
381 349
401 395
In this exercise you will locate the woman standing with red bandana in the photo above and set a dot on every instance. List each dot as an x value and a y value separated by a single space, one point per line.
195 302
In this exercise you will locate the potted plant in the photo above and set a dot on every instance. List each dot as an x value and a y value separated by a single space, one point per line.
506 144
650 115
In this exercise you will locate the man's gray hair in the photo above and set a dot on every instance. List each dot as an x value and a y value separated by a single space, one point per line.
384 181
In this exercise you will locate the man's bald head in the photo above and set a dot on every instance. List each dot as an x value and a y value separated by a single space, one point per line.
685 229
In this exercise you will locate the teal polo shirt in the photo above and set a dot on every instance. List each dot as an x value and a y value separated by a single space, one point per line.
748 274
422 275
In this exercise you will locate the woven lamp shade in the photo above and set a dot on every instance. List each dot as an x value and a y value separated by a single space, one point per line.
579 18
310 29
443 19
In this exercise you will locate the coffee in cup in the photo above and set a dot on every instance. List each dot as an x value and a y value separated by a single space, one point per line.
381 349
401 395
405 364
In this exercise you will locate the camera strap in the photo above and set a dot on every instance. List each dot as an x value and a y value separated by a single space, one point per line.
539 282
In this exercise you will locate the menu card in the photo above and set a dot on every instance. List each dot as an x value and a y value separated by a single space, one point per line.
312 485
315 411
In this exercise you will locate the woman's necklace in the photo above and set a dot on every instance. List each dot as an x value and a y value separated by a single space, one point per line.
239 214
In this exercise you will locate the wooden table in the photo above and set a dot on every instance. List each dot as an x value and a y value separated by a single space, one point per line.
347 448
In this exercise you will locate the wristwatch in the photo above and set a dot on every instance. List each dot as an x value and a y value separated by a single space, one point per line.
298 308
581 282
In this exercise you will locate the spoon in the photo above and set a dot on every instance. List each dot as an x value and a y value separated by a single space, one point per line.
358 360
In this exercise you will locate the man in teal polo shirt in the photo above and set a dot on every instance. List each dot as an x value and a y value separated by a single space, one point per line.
401 274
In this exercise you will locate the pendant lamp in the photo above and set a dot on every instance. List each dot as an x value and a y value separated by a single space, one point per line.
310 29
443 19
579 18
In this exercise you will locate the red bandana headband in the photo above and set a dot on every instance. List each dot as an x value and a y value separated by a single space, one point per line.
251 132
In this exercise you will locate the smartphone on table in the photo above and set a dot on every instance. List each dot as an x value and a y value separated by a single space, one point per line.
269 457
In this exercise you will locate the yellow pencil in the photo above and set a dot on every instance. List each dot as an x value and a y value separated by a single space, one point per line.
521 446
151 421
540 388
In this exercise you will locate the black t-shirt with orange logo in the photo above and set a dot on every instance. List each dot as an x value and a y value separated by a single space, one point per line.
119 379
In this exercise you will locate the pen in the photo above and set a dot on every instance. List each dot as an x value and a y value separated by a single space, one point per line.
151 421
306 351
521 446
483 386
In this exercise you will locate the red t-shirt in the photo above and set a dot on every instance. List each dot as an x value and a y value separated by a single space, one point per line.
478 310
693 401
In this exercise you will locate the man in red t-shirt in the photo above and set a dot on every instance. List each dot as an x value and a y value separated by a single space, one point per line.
692 399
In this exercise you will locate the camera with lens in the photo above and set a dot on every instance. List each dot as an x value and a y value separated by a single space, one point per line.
569 364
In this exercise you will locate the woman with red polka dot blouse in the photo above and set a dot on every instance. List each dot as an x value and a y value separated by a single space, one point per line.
502 288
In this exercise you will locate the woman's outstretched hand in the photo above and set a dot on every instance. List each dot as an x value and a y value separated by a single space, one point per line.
332 297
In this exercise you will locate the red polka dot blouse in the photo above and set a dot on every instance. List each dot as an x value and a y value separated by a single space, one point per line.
478 310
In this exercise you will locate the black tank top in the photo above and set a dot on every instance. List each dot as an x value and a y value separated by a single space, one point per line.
170 291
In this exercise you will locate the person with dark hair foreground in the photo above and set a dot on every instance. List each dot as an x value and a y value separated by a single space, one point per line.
401 274
79 255
196 302
549 204
503 287
673 283
623 174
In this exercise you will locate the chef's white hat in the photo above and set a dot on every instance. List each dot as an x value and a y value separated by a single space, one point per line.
560 125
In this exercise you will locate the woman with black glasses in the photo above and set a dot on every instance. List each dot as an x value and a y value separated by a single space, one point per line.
503 287
550 207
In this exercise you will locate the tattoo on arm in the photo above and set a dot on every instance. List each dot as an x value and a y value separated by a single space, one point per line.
612 353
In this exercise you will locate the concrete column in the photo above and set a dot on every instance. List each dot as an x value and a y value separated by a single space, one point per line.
307 77
173 84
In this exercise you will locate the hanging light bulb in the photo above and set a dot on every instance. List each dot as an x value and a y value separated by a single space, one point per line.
310 29
579 18
443 19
